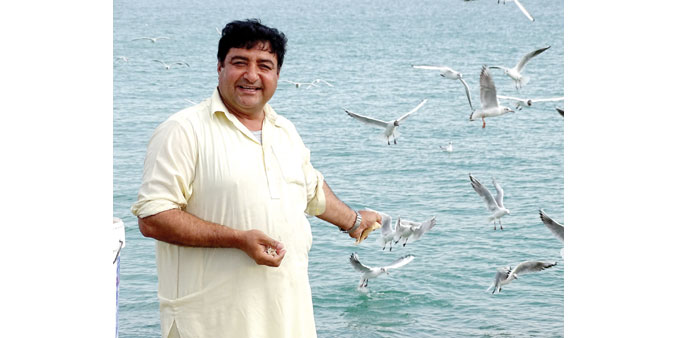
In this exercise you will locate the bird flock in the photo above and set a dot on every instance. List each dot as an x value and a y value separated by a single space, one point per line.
492 104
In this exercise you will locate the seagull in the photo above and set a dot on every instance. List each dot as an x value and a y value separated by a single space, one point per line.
556 228
191 102
218 31
153 40
448 148
506 274
561 111
122 59
452 74
520 103
490 107
515 73
168 66
387 232
390 128
300 84
494 204
369 272
521 7
412 231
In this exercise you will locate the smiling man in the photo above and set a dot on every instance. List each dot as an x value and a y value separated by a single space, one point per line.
225 190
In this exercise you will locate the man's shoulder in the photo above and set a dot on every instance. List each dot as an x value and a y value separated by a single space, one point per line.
192 115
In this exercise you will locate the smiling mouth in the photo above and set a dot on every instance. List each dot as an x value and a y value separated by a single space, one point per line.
252 88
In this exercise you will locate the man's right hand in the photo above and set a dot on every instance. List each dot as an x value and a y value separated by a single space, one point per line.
263 249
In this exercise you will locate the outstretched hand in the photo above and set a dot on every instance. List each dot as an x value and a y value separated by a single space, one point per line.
369 218
263 249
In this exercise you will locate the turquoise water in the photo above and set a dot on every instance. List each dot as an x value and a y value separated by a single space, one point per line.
365 49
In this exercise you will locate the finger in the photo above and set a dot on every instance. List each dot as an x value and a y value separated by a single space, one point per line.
275 261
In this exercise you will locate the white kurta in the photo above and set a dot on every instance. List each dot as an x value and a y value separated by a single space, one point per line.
204 161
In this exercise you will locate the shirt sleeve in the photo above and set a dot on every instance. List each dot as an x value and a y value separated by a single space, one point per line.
169 168
314 180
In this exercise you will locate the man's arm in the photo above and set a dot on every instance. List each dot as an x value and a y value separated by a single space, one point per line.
181 228
341 215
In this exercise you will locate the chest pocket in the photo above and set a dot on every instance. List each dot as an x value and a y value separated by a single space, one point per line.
290 164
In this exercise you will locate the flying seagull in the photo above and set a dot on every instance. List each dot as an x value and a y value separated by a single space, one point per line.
520 103
515 73
556 228
449 73
390 128
506 274
411 231
387 232
494 204
521 7
561 111
153 40
168 66
369 272
490 106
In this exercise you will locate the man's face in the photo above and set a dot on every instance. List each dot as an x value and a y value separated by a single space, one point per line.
248 78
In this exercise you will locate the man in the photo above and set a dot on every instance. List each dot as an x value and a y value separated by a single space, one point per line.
225 189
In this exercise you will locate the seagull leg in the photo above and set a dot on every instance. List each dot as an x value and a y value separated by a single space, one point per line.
494 225
500 224
483 118
394 140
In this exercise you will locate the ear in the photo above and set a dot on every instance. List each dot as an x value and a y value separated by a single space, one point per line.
219 65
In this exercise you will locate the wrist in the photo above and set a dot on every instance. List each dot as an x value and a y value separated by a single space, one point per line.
356 224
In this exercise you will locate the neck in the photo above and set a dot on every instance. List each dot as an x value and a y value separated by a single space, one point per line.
251 120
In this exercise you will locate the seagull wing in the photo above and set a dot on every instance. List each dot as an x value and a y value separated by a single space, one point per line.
387 229
531 266
423 228
325 82
468 92
488 93
561 111
556 228
485 193
500 194
403 117
367 119
182 63
549 100
523 10
522 63
161 62
400 262
144 38
355 262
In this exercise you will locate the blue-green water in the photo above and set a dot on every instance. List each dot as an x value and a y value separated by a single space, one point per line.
366 49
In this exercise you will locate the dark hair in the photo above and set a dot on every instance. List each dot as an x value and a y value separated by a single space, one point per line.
248 34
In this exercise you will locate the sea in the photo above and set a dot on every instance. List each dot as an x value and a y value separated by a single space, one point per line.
366 50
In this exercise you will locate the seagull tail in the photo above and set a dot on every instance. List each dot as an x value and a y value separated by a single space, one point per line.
524 80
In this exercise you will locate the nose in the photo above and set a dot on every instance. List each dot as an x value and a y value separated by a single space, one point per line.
251 74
